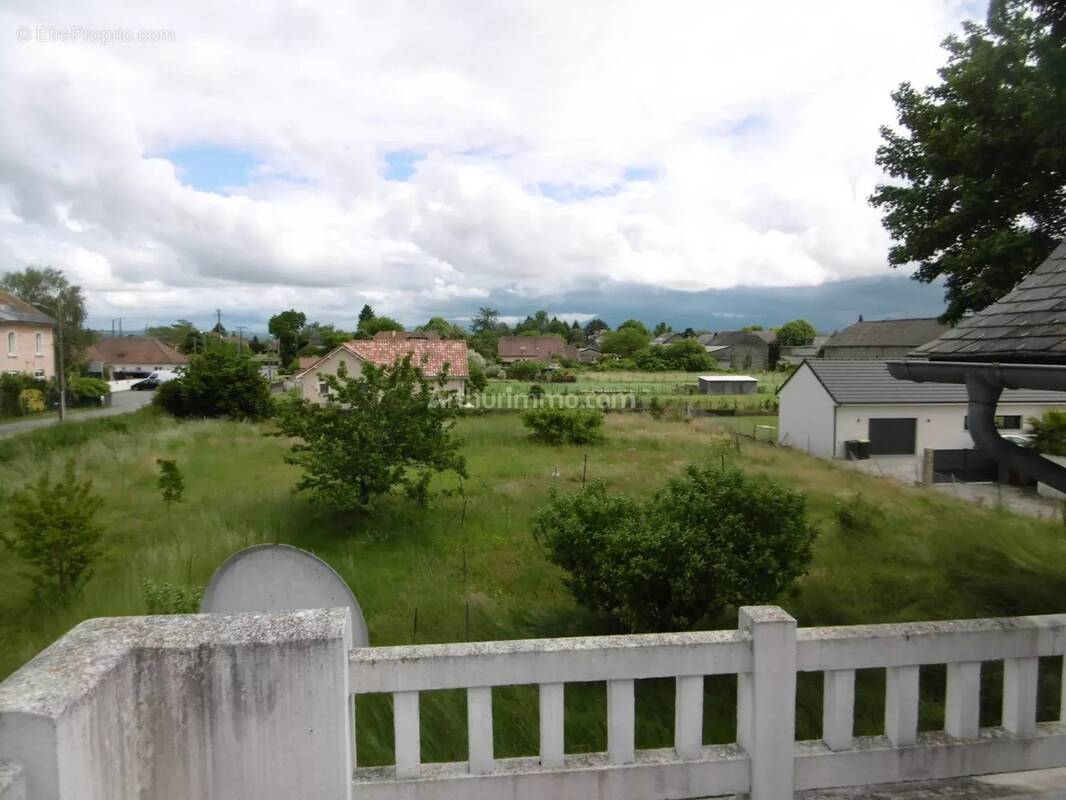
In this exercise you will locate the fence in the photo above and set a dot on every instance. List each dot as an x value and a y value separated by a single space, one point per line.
250 705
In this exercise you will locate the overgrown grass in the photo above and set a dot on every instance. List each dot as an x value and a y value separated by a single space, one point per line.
468 568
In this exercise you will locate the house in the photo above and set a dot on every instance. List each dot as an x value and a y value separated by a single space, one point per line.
884 338
827 403
26 336
589 355
727 384
534 348
132 357
402 336
795 354
752 350
669 337
431 355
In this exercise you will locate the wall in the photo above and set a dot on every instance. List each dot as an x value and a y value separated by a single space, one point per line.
308 382
26 360
806 415
939 427
868 352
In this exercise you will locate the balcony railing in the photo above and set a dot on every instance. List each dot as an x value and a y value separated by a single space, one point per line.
254 706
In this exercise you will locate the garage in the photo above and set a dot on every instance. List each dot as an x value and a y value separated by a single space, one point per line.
893 436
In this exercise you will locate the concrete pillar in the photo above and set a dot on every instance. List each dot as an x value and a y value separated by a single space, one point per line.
766 718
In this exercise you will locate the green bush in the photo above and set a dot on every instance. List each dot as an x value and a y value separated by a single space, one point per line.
536 391
161 597
709 539
87 391
1049 432
218 384
564 425
524 370
858 515
477 380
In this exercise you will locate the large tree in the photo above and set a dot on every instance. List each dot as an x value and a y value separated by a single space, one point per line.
288 327
383 429
796 333
48 289
978 195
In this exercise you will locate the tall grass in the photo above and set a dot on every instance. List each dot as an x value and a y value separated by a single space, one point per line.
468 568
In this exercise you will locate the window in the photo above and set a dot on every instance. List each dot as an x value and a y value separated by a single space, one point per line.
1004 422
11 343
39 344
38 374
323 388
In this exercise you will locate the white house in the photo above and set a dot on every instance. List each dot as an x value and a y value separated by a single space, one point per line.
430 355
826 403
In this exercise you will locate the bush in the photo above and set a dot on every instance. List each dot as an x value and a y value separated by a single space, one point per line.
524 370
858 515
708 539
32 400
218 384
564 425
161 597
1049 433
536 391
87 391
477 380
56 532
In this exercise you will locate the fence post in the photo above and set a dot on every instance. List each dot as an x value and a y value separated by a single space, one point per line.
766 696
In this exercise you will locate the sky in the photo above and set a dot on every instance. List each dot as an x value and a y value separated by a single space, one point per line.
700 162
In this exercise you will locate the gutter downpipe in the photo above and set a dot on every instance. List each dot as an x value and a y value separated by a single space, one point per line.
984 385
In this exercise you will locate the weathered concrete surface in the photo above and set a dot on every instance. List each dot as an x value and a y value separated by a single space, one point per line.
212 706
121 403
12 786
1048 784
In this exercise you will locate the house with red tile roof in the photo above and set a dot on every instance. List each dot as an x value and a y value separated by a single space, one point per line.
430 355
132 357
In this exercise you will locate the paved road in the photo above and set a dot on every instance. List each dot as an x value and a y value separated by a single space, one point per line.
121 403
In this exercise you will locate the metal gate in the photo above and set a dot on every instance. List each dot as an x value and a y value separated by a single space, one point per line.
968 466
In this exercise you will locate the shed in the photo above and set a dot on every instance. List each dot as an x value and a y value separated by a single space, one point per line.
727 384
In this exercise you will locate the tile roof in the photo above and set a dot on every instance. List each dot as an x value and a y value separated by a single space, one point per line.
868 382
428 354
1026 325
12 309
135 350
534 347
730 338
888 333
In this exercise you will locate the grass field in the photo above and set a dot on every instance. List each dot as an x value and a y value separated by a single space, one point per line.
481 576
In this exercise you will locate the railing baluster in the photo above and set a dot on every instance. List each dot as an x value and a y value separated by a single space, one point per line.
1020 679
620 721
962 703
552 710
901 705
479 728
838 708
688 716
408 736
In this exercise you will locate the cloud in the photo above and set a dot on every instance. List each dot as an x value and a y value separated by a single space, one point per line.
324 154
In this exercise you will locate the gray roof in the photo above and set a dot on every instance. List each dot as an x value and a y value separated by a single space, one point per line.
730 338
1026 325
888 333
862 382
12 309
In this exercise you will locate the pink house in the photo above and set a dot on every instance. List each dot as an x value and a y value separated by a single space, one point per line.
25 339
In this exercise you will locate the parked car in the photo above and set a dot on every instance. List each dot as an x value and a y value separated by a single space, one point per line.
154 380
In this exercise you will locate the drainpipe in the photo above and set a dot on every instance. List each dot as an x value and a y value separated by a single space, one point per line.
984 385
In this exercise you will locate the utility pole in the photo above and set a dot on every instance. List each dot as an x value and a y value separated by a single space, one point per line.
58 309
240 338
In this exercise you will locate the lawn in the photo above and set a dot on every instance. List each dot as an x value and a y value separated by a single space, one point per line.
468 568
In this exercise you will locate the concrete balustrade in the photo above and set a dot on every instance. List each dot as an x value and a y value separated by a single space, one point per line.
259 705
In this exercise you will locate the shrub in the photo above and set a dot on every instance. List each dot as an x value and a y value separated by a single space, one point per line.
161 597
87 391
1049 432
56 532
477 380
708 539
564 425
858 515
536 391
32 400
11 388
218 384
524 370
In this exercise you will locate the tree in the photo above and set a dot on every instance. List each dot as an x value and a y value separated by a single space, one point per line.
48 289
288 327
256 346
524 370
556 426
978 195
626 341
174 334
687 355
796 333
55 530
445 329
219 383
486 319
708 539
171 482
384 429
594 326
1049 432
635 324
661 328
365 315
476 381
379 324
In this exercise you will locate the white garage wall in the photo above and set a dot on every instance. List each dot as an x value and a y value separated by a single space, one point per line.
805 415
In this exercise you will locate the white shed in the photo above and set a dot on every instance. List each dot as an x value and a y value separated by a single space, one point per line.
728 384
826 403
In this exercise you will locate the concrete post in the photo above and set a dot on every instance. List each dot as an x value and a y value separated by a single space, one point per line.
766 717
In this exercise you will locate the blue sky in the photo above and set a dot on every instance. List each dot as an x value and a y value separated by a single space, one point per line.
212 168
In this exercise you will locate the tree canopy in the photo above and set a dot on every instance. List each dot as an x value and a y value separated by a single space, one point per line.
288 327
796 333
626 342
48 289
978 165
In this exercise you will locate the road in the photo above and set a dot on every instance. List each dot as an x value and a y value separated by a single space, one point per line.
121 403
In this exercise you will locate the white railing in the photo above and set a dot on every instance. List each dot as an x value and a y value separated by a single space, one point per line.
765 653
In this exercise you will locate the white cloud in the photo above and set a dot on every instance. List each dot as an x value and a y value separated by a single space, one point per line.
753 125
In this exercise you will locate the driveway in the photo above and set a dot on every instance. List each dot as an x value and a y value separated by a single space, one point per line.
121 403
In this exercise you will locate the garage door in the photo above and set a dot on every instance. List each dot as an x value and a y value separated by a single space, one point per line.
892 437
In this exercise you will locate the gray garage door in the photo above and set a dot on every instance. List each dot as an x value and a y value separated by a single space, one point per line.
892 437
